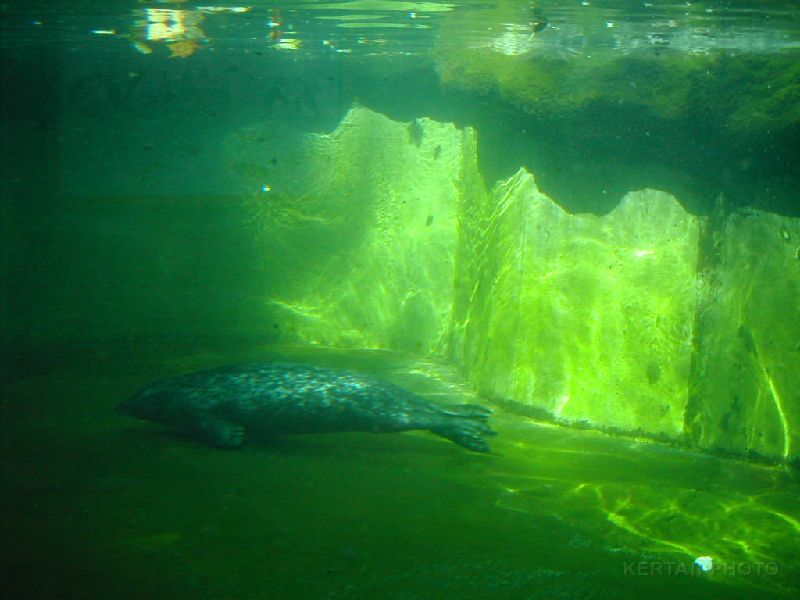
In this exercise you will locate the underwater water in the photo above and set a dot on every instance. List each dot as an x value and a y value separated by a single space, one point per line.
436 194
97 505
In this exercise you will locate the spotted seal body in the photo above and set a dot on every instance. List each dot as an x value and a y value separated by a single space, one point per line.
221 406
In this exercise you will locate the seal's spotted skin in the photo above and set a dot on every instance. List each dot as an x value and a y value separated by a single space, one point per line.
222 405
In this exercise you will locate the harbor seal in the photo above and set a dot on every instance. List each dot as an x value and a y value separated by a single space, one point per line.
222 405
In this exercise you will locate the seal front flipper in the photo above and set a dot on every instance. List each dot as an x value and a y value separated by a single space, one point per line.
216 431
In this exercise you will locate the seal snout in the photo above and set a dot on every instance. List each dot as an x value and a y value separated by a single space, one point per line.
135 406
125 407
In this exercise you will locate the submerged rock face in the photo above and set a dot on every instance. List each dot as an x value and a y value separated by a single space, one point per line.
360 228
647 320
620 322
745 387
583 317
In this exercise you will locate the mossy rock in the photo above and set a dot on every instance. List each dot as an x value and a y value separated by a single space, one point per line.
554 86
751 94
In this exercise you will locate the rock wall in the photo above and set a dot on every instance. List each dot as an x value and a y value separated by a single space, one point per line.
586 318
745 385
360 228
647 320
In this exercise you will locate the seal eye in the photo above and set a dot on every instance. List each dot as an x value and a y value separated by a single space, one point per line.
539 24
538 21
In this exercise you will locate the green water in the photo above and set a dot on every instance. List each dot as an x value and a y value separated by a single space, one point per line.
131 251
97 505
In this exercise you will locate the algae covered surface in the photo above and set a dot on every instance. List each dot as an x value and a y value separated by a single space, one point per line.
624 321
103 506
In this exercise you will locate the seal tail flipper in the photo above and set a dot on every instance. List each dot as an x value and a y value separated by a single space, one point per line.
465 424
467 410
